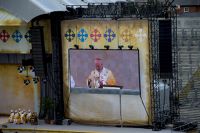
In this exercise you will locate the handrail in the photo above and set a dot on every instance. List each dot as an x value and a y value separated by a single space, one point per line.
179 127
185 91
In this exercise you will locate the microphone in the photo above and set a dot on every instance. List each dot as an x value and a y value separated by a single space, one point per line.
89 83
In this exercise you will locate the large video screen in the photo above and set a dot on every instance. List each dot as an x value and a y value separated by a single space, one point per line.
100 68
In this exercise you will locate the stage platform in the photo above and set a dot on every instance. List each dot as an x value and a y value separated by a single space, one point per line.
73 128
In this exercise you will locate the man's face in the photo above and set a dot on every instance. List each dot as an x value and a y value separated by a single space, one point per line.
98 65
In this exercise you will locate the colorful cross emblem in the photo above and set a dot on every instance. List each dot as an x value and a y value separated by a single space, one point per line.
109 35
28 36
141 35
95 35
69 35
126 35
82 35
17 36
4 36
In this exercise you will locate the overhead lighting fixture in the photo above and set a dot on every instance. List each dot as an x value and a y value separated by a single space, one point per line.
27 82
20 69
35 80
76 46
120 47
130 47
91 46
32 68
107 47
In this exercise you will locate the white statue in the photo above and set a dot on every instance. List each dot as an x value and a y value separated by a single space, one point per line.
17 119
23 117
11 117
28 116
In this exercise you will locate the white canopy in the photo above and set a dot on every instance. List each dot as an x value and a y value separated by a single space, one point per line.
29 9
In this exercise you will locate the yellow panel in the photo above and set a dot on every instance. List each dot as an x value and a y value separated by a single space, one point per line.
7 19
70 29
132 32
12 46
86 32
113 26
14 93
24 46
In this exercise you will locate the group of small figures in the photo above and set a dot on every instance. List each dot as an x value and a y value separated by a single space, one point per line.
22 117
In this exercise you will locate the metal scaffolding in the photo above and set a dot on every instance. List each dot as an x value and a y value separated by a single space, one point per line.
174 96
153 11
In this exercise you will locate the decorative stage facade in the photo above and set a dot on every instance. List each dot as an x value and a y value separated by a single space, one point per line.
101 64
20 87
129 105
